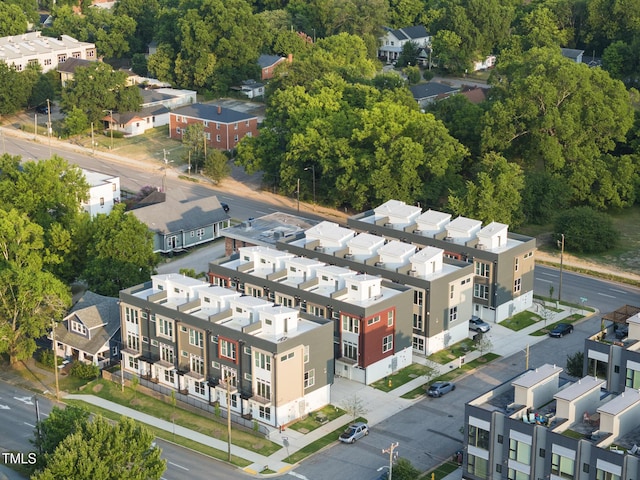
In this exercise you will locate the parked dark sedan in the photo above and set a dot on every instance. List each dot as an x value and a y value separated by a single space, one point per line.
43 109
561 330
224 206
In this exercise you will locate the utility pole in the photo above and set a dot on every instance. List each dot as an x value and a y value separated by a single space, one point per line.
111 126
298 193
93 143
166 165
55 357
561 264
526 358
189 167
313 172
390 451
49 124
35 400
35 127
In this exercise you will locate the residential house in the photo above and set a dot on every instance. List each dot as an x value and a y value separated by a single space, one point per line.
503 261
48 52
180 225
267 64
264 231
429 92
488 62
474 94
394 39
104 192
540 426
572 54
223 127
369 316
440 303
67 70
207 342
90 333
251 89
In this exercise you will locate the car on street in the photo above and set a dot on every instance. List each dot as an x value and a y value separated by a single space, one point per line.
478 325
354 432
43 109
224 206
438 389
561 329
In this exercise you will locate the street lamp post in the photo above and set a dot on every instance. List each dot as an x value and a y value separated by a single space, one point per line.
313 172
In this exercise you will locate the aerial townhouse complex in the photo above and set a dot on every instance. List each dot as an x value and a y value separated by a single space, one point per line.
208 342
503 262
539 426
370 317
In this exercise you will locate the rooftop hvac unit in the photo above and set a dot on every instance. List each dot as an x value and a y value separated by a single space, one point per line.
348 256
319 249
413 273
379 264
481 246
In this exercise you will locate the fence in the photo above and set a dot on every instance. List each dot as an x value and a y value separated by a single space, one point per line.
187 402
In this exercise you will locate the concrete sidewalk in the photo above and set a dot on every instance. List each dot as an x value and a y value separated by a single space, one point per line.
379 405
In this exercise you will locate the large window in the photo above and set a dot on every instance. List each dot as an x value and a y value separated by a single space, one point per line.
478 437
481 291
418 343
131 315
133 342
197 364
199 387
165 327
227 349
262 360
632 378
417 321
418 297
562 466
350 324
170 376
230 375
196 338
263 389
166 353
604 475
520 452
477 466
482 269
264 412
350 350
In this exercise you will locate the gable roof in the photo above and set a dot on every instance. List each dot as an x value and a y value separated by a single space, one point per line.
431 90
269 60
571 53
173 216
215 113
128 117
70 65
475 94
409 33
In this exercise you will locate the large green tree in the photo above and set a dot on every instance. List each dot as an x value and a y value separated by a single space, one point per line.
120 252
60 423
101 450
30 297
548 112
13 21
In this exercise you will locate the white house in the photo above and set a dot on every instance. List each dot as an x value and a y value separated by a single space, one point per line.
48 52
394 39
104 192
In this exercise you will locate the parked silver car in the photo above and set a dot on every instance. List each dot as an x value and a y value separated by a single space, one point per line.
438 389
354 432
478 325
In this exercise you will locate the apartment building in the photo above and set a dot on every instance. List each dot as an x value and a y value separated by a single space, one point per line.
206 341
503 261
441 288
371 316
223 127
48 52
539 426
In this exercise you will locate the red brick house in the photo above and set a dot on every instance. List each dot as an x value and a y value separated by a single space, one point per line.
223 127
268 63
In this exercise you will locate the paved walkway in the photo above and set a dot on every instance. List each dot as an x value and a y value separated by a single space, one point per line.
379 405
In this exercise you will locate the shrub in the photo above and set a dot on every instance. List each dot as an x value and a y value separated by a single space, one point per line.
46 358
585 230
84 370
428 75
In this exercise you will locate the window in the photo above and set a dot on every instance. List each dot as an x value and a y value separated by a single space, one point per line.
206 123
229 374
263 389
417 321
528 255
154 342
632 378
390 318
542 453
199 387
452 291
604 475
562 466
517 475
165 328
262 360
178 130
306 354
418 343
247 377
478 437
350 324
133 363
215 365
481 291
235 138
166 353
350 350
91 53
133 341
520 451
387 343
78 327
453 314
517 285
200 232
196 338
517 265
235 126
47 61
62 58
145 339
131 315
208 136
227 349
310 380
286 357
102 201
169 376
373 320
264 412
218 128
418 297
477 466
196 364
247 123
482 269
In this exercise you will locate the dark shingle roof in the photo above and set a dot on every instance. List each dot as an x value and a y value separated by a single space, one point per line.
409 33
126 117
269 60
214 113
70 65
173 216
431 89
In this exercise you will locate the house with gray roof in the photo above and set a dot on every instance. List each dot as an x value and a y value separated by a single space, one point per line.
572 54
267 65
429 92
90 333
394 39
179 225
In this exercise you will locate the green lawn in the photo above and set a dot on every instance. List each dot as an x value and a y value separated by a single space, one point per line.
521 320
451 353
319 444
401 377
199 423
311 422
441 471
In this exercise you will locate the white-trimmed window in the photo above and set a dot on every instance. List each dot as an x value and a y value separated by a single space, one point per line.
417 321
133 342
390 318
167 353
78 327
350 324
563 466
481 291
133 363
199 387
227 349
264 412
418 343
453 314
170 376
517 285
196 363
310 378
387 343
131 315
350 350
373 320
262 360
196 338
483 269
165 328
263 388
